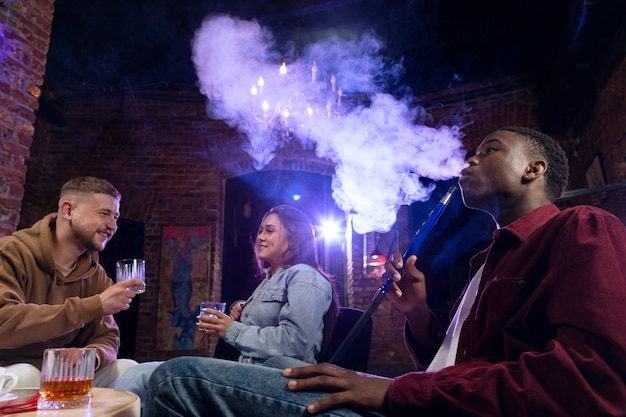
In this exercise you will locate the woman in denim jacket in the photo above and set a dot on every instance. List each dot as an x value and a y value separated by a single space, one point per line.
293 310
289 317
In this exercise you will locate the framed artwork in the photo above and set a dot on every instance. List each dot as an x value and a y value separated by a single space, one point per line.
595 173
183 283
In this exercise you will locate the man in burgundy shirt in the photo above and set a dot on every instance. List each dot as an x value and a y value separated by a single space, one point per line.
539 331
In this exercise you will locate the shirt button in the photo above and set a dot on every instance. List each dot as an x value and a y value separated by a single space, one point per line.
522 284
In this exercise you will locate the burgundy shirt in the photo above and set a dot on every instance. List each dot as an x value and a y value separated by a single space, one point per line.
546 335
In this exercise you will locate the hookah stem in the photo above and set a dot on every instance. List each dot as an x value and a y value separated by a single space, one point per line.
416 243
422 232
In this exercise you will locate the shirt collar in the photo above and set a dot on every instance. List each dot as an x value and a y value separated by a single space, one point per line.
521 229
526 225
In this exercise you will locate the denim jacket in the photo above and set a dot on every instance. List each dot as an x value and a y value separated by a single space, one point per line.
283 316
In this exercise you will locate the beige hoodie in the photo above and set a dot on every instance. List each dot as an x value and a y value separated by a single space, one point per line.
39 308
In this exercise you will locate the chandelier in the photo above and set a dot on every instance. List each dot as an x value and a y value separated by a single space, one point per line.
291 105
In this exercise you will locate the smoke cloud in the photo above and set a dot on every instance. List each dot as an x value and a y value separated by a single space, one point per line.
379 148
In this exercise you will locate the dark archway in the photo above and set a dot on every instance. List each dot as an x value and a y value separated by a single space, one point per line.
128 242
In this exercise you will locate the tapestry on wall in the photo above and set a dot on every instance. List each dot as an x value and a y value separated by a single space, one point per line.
183 283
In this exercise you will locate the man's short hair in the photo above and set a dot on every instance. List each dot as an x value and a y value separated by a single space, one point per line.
543 146
89 185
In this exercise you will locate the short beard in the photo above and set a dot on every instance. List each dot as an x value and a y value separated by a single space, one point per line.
87 239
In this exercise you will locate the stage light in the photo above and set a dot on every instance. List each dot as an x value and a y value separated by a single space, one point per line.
329 230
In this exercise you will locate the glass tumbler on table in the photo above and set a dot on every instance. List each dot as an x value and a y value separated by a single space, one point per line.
66 378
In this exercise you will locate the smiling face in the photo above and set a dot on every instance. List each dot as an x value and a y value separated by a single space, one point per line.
271 242
92 218
496 172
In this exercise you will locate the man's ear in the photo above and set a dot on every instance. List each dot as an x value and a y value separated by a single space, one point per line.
535 170
66 208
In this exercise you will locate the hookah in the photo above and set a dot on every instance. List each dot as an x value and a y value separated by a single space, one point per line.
416 243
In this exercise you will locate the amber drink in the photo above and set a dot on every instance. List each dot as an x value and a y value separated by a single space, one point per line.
66 378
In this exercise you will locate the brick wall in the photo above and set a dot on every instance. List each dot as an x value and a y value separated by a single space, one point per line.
605 135
155 147
24 37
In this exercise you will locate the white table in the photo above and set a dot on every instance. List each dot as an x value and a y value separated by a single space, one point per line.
105 402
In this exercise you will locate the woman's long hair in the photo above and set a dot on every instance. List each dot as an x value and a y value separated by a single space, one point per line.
302 249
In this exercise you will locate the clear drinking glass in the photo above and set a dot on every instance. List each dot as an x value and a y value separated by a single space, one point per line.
131 268
216 305
66 378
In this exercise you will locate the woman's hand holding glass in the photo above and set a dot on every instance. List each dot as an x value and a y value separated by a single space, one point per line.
211 320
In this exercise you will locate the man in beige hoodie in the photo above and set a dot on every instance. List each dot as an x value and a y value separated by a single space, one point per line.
53 291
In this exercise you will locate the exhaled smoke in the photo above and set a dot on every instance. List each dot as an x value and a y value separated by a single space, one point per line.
379 149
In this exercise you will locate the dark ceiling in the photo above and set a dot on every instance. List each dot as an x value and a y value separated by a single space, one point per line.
567 46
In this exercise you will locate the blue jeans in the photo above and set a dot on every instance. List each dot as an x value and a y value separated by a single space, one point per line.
201 387
136 379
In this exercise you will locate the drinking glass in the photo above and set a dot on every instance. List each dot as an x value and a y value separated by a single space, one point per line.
66 378
216 305
131 268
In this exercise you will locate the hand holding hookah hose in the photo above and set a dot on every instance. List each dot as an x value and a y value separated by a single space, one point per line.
416 243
